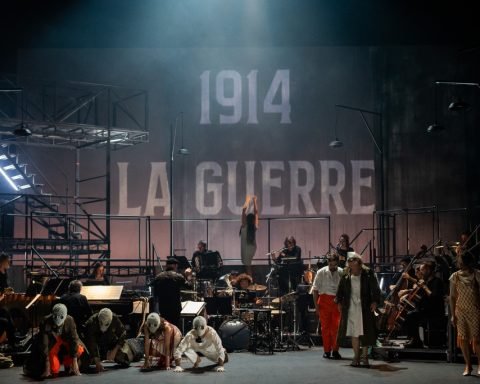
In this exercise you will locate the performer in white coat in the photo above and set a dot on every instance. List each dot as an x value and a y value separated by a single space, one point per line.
204 339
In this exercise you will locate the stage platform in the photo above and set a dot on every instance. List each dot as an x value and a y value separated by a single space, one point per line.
306 366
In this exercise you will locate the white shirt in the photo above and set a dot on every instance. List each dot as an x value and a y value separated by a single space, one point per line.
211 344
326 282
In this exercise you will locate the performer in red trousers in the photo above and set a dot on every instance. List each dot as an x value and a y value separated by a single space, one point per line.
324 292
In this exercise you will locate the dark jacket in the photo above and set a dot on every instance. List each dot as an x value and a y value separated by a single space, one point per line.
98 342
167 286
370 293
77 307
68 333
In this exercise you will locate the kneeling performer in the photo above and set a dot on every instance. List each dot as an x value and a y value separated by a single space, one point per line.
161 340
105 338
204 339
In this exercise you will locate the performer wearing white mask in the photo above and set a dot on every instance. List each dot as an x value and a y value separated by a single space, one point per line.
161 340
204 339
57 332
105 338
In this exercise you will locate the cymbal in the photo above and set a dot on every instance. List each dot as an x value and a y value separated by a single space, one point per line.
277 312
188 292
269 307
257 287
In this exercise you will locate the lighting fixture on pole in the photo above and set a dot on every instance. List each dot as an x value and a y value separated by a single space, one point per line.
21 130
378 145
336 143
182 152
457 105
435 127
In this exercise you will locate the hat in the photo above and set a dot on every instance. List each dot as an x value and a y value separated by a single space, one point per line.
172 260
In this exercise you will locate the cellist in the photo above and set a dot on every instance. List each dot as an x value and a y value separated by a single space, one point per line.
430 308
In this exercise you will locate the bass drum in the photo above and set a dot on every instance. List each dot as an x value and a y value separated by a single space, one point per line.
235 335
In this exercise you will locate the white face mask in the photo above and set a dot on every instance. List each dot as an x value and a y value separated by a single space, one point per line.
105 319
59 314
200 326
153 322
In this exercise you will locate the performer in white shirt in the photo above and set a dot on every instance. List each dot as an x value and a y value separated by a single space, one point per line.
324 292
204 339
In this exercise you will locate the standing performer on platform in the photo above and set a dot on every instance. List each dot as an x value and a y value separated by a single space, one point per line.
291 267
105 338
465 308
357 296
248 230
58 343
324 291
342 249
201 339
167 286
161 341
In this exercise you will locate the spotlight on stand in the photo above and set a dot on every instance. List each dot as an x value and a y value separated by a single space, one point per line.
459 106
22 131
336 143
183 151
435 128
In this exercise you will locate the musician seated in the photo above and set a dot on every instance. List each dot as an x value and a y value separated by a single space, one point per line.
5 289
98 276
290 258
4 266
246 295
405 284
77 304
226 283
105 339
206 263
430 308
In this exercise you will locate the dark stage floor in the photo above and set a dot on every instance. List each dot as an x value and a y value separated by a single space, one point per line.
306 366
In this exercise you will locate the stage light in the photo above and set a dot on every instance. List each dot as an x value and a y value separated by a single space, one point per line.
459 106
336 143
9 180
22 131
433 128
183 151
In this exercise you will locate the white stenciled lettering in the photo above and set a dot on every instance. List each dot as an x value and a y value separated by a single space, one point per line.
123 208
330 190
233 186
358 182
158 177
234 101
210 191
269 183
298 191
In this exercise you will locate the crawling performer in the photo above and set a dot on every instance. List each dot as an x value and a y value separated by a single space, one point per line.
204 339
161 340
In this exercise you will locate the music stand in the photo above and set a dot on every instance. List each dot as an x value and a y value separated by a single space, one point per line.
102 292
191 309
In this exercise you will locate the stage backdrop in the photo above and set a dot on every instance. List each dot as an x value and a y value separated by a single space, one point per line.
255 120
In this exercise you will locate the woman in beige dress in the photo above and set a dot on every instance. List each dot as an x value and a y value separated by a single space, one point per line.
465 307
